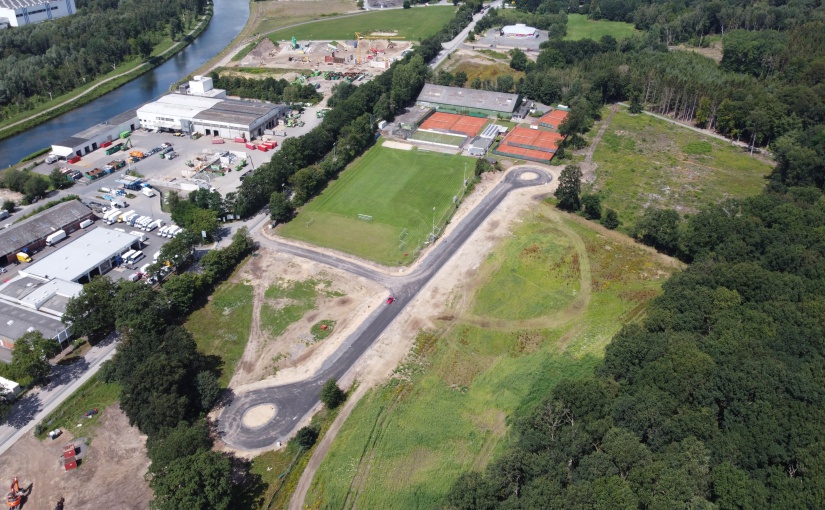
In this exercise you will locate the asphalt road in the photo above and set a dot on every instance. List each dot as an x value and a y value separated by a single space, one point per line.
293 401
35 405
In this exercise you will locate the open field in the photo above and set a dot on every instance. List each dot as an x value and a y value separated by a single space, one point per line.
643 161
448 408
579 27
481 67
221 327
397 189
412 24
270 16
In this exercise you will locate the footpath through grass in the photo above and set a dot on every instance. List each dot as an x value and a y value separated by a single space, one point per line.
397 189
450 406
221 328
579 27
647 162
412 24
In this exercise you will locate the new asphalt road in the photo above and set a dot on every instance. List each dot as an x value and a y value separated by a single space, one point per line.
293 401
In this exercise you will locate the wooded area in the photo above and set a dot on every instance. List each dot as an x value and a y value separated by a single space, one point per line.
66 53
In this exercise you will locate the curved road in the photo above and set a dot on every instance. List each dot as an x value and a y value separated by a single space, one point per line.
293 401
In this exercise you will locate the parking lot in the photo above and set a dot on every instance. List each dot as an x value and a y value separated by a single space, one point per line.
492 39
174 174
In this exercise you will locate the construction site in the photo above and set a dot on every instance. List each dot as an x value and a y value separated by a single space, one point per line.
368 55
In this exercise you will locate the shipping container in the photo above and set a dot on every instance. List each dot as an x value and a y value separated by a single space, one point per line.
125 134
74 159
240 139
217 140
105 144
263 148
250 145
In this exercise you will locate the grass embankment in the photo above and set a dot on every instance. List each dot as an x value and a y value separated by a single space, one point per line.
647 162
579 27
94 394
221 328
134 68
280 470
490 71
547 302
412 24
398 189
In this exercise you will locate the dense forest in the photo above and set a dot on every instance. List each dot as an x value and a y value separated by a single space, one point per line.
61 55
716 399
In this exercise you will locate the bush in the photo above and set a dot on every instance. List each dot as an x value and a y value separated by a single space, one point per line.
592 207
306 437
331 395
8 205
611 219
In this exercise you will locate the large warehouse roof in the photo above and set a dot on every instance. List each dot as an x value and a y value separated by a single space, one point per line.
236 111
38 293
19 4
178 105
469 98
76 259
40 225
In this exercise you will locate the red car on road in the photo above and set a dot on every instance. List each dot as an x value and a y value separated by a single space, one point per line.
390 300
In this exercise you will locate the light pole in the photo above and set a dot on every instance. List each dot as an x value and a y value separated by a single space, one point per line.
432 233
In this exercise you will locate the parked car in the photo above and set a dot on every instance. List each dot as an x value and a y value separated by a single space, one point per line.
390 300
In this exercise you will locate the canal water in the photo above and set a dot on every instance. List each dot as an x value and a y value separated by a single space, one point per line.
228 20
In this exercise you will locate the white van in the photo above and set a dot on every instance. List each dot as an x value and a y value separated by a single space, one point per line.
162 231
135 257
125 256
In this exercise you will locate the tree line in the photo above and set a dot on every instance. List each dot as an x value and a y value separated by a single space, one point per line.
266 89
49 59
714 401
167 386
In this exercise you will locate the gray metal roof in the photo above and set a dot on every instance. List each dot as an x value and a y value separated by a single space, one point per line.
19 4
72 141
22 234
15 321
468 98
236 111
491 131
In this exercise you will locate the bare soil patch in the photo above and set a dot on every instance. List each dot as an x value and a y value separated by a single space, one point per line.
110 475
345 299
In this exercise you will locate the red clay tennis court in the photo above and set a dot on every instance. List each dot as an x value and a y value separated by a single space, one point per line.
452 123
553 118
533 139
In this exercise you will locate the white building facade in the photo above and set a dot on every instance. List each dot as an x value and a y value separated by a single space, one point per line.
18 13
519 31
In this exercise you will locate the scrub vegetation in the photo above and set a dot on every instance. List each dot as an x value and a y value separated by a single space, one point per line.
453 400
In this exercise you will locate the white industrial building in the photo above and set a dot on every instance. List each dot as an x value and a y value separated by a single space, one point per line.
96 136
94 253
519 31
18 13
201 108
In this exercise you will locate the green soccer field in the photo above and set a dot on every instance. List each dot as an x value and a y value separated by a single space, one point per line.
398 189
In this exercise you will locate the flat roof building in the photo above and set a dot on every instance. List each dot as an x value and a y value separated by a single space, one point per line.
469 101
94 253
29 303
94 137
213 116
31 233
18 13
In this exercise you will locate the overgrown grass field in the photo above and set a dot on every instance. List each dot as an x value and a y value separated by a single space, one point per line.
398 189
412 24
450 406
442 138
221 328
647 162
579 27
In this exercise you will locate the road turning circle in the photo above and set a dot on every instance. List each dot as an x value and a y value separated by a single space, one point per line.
259 415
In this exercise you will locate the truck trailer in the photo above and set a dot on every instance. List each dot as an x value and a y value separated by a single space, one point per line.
55 237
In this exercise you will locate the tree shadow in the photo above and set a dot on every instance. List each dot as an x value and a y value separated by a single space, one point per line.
252 487
24 411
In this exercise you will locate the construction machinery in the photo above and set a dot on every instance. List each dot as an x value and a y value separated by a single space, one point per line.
359 37
15 496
